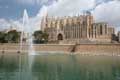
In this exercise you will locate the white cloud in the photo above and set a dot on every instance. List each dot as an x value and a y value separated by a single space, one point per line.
4 24
69 7
43 11
108 12
8 24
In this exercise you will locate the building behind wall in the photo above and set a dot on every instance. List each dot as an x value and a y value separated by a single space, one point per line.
119 36
102 32
76 29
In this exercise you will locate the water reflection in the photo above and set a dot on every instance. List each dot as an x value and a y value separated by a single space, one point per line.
9 67
60 67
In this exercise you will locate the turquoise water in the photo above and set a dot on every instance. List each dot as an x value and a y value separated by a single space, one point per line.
59 67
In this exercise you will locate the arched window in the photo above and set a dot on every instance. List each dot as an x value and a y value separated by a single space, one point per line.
60 37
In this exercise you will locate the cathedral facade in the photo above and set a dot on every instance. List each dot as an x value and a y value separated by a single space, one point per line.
76 29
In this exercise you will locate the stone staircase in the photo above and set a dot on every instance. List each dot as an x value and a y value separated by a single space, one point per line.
73 48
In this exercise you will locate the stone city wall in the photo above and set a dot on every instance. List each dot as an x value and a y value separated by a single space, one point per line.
99 49
81 48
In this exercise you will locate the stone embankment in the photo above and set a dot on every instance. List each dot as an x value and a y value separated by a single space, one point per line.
91 49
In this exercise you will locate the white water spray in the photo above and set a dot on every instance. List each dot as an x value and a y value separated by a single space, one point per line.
27 33
29 38
29 41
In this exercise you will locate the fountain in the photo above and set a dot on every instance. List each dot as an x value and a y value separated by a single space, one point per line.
24 24
26 32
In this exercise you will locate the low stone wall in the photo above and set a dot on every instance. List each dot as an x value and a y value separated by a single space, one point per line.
37 47
52 47
12 47
81 48
98 48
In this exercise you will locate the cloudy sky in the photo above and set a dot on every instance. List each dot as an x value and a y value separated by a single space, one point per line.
103 10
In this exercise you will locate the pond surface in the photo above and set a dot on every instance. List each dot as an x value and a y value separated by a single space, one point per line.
59 67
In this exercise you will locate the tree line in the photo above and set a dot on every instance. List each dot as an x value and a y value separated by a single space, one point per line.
40 37
14 36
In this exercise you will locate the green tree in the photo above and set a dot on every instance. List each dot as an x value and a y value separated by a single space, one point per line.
45 36
40 37
13 36
2 37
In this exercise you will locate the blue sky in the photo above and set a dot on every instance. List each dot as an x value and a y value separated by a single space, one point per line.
13 9
103 10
